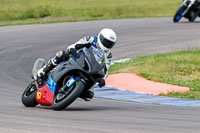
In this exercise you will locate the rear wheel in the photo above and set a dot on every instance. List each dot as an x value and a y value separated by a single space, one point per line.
179 14
192 16
65 97
28 96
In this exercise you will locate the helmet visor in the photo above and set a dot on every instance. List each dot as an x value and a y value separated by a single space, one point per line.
107 43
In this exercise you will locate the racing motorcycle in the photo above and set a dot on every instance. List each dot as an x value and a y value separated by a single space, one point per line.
189 9
68 81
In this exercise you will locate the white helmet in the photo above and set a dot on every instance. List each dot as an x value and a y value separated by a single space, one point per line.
106 39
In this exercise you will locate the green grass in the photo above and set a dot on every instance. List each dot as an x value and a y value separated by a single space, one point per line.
18 11
180 68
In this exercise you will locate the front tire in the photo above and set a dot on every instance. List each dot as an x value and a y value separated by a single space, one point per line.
28 96
179 13
69 98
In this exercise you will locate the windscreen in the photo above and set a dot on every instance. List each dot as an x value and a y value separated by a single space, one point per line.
95 58
99 55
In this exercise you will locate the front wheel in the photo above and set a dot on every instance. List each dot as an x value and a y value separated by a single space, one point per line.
179 14
65 98
28 96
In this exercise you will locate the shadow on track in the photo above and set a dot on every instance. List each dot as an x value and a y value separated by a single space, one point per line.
81 108
187 22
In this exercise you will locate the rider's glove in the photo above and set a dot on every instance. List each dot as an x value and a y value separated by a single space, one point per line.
101 83
72 51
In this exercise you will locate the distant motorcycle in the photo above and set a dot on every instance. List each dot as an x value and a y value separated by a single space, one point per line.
189 9
68 81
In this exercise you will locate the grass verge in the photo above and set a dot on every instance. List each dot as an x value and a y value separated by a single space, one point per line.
180 68
27 12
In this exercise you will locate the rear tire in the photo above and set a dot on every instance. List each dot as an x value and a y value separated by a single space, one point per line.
70 98
29 96
192 16
179 13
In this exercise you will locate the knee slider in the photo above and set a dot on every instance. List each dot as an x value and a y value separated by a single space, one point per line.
59 54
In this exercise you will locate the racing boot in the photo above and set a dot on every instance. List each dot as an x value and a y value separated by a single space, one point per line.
88 95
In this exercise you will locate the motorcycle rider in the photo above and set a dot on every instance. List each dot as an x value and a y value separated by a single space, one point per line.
105 40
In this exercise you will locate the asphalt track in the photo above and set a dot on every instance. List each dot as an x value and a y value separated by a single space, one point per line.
21 45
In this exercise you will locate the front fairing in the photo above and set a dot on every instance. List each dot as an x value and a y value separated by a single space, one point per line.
87 63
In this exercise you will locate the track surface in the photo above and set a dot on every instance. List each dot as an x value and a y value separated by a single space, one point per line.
21 45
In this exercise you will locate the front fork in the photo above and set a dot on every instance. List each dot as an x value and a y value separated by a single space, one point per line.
72 80
188 4
70 83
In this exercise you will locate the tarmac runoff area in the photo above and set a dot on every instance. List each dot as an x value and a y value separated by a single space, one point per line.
134 88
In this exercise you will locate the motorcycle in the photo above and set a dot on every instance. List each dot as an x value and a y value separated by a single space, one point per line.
68 81
189 9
